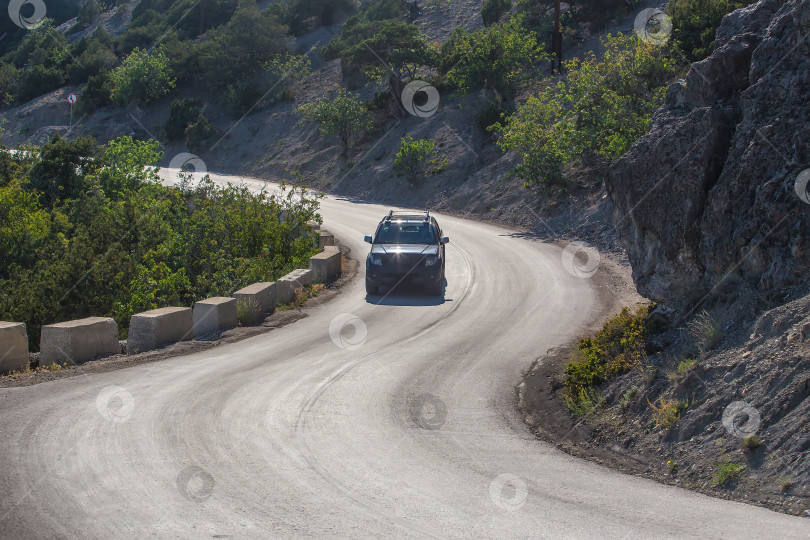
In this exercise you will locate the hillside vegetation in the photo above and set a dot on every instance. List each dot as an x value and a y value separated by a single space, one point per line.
87 230
242 55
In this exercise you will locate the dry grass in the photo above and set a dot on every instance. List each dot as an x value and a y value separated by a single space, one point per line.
668 411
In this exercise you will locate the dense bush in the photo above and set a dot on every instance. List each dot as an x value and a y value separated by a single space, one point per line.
199 133
182 113
303 16
105 239
695 24
97 93
91 56
493 10
597 112
416 158
499 57
360 24
142 77
616 348
377 46
343 115
246 44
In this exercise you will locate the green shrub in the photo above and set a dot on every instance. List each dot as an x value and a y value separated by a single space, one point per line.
602 107
91 56
616 348
493 10
705 331
376 48
303 16
198 133
585 403
97 93
88 14
500 57
344 116
752 441
247 311
695 24
242 47
493 115
112 241
142 77
726 472
359 26
416 158
182 113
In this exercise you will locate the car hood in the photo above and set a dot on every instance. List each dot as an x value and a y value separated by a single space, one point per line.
418 249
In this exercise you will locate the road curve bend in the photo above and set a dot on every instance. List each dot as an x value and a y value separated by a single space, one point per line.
391 417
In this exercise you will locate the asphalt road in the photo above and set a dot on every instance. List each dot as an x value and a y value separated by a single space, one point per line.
386 416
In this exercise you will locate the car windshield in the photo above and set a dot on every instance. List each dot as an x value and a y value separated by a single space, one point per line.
392 232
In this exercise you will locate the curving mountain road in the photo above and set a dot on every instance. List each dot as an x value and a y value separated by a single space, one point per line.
399 420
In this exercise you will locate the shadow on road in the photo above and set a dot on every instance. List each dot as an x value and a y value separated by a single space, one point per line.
407 295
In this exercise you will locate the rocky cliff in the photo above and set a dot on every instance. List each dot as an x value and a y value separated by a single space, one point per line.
705 203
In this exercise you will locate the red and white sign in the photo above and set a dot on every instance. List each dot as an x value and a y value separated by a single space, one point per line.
72 98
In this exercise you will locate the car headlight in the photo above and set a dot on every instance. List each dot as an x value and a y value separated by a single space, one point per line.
376 260
432 261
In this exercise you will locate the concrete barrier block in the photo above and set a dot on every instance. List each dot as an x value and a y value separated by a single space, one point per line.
260 295
297 279
325 238
158 327
214 314
314 225
326 265
79 341
13 346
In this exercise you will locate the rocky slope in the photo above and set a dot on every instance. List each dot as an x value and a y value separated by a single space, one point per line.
705 203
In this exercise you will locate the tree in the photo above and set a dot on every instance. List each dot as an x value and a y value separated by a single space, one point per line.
142 77
416 158
182 113
499 57
384 47
88 14
344 116
245 45
493 10
598 112
59 172
695 23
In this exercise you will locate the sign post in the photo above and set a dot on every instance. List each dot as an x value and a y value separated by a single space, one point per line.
72 99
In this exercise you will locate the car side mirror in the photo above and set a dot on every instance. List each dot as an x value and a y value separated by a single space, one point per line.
367 239
445 240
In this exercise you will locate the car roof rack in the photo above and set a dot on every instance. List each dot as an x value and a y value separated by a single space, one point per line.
409 216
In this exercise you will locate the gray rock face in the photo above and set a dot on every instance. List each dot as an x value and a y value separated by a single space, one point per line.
706 199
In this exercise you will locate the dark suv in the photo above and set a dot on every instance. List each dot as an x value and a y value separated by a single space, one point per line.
407 247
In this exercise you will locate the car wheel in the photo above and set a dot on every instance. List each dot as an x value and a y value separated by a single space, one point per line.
371 289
